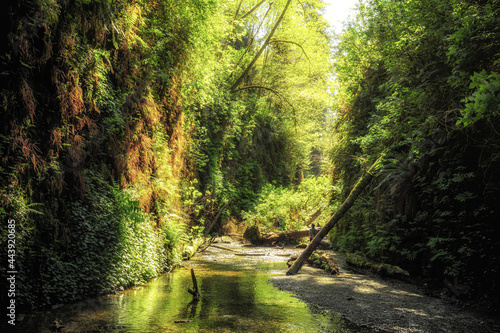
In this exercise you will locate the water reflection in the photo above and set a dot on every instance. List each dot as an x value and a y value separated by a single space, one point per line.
235 296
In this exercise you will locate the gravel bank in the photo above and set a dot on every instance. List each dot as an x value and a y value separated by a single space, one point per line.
382 304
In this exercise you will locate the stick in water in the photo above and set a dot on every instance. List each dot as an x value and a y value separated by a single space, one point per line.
195 292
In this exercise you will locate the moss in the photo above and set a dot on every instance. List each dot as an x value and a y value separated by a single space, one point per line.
382 269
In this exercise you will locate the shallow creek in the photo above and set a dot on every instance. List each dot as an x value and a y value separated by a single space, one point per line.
235 297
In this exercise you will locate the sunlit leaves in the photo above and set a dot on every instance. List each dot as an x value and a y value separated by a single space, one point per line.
484 103
279 208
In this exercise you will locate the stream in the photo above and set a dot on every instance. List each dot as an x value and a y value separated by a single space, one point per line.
236 296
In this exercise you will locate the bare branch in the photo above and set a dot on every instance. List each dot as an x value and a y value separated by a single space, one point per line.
290 42
251 10
256 86
268 39
238 10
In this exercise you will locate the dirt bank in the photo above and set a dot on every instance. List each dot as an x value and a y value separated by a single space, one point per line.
382 304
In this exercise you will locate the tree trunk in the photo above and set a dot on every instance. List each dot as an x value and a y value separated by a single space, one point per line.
205 234
314 217
250 11
358 188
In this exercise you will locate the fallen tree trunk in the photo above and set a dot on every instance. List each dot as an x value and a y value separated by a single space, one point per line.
358 188
253 235
332 266
361 264
284 235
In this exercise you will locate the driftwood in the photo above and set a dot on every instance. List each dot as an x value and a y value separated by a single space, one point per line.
223 248
195 292
360 186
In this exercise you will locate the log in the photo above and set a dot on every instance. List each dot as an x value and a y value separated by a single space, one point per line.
358 188
195 292
284 235
223 248
190 250
253 235
209 243
236 236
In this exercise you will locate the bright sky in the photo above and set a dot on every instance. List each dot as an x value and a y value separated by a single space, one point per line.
337 11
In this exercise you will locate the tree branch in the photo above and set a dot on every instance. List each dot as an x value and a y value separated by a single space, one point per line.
237 10
268 39
195 292
256 86
251 10
290 42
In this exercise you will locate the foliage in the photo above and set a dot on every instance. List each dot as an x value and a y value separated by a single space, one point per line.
484 103
93 138
120 126
110 244
291 208
249 98
416 81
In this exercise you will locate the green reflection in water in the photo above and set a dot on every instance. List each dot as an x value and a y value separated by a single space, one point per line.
232 300
235 296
